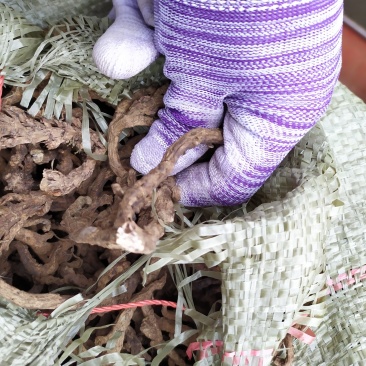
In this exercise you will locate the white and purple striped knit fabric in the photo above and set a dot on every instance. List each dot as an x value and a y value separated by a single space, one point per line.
266 69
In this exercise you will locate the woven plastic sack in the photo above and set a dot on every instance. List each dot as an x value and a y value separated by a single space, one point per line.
295 255
341 336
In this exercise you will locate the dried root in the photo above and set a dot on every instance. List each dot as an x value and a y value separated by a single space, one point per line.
55 200
28 300
141 236
143 240
64 216
138 111
135 227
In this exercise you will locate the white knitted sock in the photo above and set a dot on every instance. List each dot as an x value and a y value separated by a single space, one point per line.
127 47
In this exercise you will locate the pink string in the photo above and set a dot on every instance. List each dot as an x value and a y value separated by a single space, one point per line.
131 305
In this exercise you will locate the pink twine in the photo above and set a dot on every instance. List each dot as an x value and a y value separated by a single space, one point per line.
131 305
239 358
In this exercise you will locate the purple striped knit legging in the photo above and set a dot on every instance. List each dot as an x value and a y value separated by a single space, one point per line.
266 69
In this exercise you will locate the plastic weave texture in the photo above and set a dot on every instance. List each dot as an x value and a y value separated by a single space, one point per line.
297 257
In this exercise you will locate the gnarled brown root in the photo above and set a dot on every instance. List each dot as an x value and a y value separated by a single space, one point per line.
16 209
143 240
56 184
30 301
138 111
18 128
18 173
130 219
136 227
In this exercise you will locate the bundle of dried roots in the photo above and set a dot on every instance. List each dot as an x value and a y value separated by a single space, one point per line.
65 216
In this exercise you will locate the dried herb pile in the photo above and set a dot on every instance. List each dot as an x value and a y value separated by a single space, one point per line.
61 210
